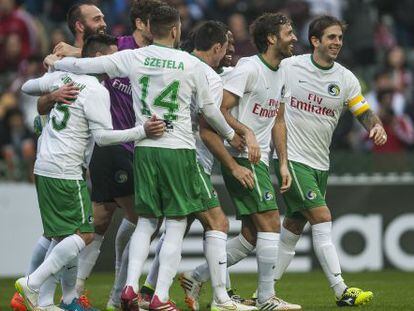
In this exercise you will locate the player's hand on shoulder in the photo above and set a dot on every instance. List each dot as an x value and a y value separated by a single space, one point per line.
66 94
154 127
253 148
244 176
378 135
63 49
50 60
286 178
238 142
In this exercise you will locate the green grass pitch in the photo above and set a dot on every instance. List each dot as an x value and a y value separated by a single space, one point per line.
392 290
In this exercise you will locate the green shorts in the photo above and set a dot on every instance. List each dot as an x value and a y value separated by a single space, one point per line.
247 202
167 182
308 188
209 196
65 206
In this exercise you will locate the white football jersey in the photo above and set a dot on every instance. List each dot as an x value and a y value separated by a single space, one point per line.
65 138
163 80
215 87
261 89
318 97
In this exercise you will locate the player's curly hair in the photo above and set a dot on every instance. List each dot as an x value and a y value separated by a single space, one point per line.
266 25
142 9
319 24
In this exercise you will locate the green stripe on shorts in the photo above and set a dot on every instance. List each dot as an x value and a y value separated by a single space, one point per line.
208 193
307 190
167 182
65 206
246 201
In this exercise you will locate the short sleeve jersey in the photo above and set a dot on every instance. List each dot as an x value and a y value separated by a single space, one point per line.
318 98
163 81
261 89
215 87
65 137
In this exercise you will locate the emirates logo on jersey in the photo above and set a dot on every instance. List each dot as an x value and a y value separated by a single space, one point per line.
267 112
311 107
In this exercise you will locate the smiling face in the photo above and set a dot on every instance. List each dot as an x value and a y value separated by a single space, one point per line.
92 21
286 40
330 44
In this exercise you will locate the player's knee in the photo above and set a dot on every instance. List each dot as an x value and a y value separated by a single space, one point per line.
294 226
222 224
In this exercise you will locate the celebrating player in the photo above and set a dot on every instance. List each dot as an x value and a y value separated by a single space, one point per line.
320 90
165 170
63 197
255 91
210 42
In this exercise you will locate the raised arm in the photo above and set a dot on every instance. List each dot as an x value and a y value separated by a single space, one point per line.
63 49
279 135
114 65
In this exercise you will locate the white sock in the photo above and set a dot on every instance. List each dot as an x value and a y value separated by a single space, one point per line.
215 252
286 252
87 260
170 256
155 265
120 277
237 249
266 254
38 254
327 256
68 281
139 249
125 231
47 290
61 254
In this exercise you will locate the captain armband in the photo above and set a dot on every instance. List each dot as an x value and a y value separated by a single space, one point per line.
358 105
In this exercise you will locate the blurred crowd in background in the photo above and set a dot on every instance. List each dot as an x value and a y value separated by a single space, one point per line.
378 48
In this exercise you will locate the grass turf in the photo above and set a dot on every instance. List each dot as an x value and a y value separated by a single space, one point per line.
393 290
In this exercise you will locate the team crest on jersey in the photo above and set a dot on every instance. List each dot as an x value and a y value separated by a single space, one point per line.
311 195
214 193
121 177
333 89
90 219
268 196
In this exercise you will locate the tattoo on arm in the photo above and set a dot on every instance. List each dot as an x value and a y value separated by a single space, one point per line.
369 119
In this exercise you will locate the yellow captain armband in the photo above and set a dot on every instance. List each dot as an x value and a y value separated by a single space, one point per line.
358 105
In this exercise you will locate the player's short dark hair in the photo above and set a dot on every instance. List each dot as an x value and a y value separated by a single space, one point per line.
97 43
208 34
142 9
319 24
74 14
266 25
162 19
